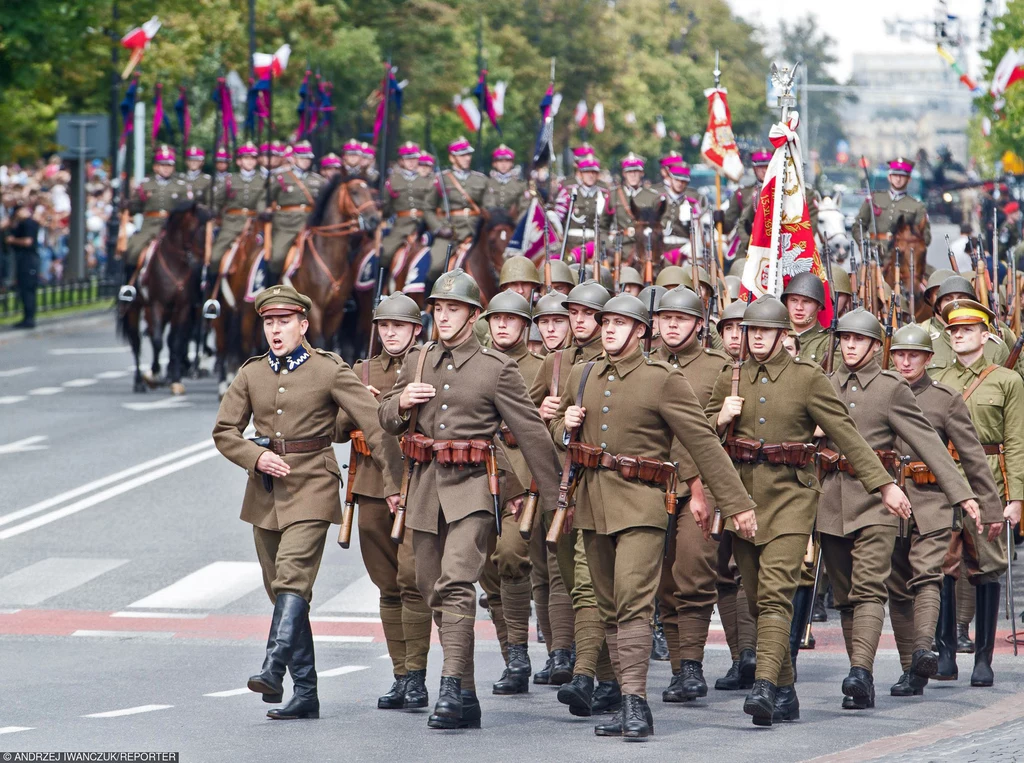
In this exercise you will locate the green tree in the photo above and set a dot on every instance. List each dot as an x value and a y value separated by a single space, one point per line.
1008 121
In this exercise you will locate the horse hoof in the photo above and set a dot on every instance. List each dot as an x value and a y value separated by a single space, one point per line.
177 388
140 386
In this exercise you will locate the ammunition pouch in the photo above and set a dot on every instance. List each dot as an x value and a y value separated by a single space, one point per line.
919 472
359 442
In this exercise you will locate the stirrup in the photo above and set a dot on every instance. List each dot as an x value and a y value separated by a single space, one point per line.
126 293
211 309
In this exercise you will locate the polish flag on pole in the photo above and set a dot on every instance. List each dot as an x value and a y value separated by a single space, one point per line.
1010 70
498 98
468 111
598 117
266 65
659 127
781 240
137 40
719 147
580 115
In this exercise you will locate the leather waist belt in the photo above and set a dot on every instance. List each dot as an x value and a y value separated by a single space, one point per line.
415 214
919 472
632 468
359 442
239 212
746 451
458 453
832 462
156 213
990 450
296 208
508 438
283 447
880 236
467 212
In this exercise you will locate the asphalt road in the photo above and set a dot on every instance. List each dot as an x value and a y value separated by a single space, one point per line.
132 612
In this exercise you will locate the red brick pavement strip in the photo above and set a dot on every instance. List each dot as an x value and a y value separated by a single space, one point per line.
1006 709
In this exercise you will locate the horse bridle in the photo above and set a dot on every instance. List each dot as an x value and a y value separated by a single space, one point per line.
338 230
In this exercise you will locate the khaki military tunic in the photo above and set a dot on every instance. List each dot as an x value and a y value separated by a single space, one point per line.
293 194
740 200
240 198
593 205
887 211
465 208
155 198
676 233
201 184
814 344
296 397
641 198
505 191
943 356
407 197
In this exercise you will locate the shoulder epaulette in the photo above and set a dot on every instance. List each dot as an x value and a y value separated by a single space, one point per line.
336 358
253 358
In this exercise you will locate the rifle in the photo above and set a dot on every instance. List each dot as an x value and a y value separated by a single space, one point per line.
648 259
897 284
398 526
995 269
854 279
805 642
833 330
649 338
981 284
913 287
439 180
870 200
694 267
547 247
889 320
1011 361
565 231
616 256
952 258
493 485
1009 583
567 485
268 226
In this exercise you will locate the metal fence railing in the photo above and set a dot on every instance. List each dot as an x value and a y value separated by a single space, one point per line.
50 297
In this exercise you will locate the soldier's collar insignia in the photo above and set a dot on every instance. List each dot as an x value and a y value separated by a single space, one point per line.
299 356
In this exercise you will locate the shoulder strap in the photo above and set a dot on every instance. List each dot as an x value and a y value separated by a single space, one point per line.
583 381
977 382
302 185
417 379
625 204
460 189
366 371
556 373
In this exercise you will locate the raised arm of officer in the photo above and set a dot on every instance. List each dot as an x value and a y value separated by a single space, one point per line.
912 426
829 413
962 434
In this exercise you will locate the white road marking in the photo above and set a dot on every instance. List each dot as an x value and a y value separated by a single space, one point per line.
74 383
145 466
161 615
21 446
17 372
50 577
45 391
9 611
211 587
341 671
104 495
112 375
11 399
14 729
360 596
231 692
344 639
89 350
128 711
154 635
159 405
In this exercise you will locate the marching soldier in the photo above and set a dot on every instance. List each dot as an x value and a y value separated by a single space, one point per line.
688 590
729 330
631 195
221 164
672 157
242 196
155 198
916 579
680 212
746 203
508 572
593 206
804 298
887 207
577 688
425 165
331 167
293 395
407 197
623 452
857 535
404 614
995 397
464 188
200 182
630 281
563 278
519 274
953 288
293 192
769 425
506 188
352 158
843 290
459 393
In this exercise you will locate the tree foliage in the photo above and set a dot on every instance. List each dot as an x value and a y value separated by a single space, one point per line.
1008 121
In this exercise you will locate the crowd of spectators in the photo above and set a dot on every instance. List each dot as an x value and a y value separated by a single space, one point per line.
45 186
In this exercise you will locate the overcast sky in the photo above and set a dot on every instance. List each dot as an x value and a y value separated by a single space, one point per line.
858 27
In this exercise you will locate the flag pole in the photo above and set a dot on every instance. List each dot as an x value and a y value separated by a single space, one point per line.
784 77
717 73
481 80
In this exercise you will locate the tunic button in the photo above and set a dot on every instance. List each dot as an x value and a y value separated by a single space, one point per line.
446 386
607 393
449 366
280 389
854 389
762 400
760 420
277 434
675 365
604 445
611 377
279 411
764 381
604 427
444 407
605 409
853 405
442 426
285 372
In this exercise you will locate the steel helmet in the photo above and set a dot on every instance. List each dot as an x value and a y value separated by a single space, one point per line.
628 306
912 337
508 302
671 276
518 268
805 285
732 312
955 284
630 277
550 304
398 307
841 282
458 286
736 268
680 300
860 321
645 295
606 275
561 273
732 284
936 278
588 294
766 312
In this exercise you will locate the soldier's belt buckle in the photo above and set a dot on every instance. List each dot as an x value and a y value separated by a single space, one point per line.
279 447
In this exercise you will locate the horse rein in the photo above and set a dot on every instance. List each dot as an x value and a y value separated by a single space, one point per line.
338 230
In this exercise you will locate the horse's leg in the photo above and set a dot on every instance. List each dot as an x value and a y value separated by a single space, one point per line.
130 326
316 335
157 326
178 344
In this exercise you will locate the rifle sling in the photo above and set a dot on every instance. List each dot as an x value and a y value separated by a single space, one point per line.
977 382
414 415
460 189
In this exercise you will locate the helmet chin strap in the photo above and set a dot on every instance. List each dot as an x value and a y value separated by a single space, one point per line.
461 328
779 335
675 348
863 358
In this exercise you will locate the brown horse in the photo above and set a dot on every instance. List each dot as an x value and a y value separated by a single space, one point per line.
911 244
646 219
166 297
486 255
339 236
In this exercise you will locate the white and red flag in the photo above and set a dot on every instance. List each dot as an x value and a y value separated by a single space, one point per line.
599 117
1009 71
468 112
719 147
137 40
580 115
267 65
781 239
